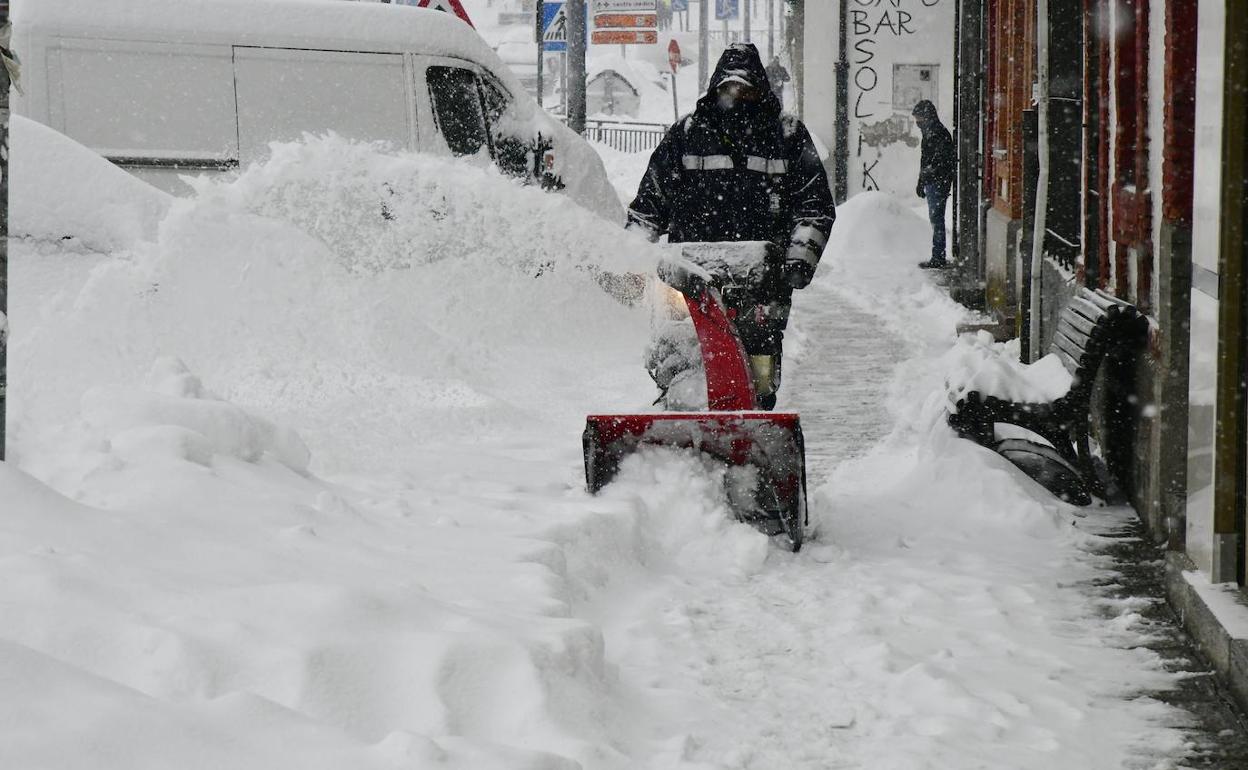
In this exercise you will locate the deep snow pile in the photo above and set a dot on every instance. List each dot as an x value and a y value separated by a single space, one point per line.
292 488
373 283
207 601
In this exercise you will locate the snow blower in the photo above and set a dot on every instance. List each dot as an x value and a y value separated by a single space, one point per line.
764 452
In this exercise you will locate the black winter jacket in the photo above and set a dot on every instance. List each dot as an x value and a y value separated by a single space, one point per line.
751 174
938 162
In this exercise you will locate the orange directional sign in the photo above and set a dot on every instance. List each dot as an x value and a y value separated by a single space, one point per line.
626 20
625 37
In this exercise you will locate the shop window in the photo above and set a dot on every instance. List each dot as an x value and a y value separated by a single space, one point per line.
912 83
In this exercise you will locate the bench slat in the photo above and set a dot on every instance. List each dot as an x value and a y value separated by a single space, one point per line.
1108 298
1077 353
1097 336
1061 343
1071 365
1079 322
1075 345
1086 309
1100 299
1073 334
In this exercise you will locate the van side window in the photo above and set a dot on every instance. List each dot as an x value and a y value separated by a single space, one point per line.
511 154
496 102
457 108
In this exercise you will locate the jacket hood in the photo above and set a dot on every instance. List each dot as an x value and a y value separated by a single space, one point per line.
926 110
741 61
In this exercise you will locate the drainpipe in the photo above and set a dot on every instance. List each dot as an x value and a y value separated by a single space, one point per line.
541 49
841 159
798 55
5 75
1042 180
968 121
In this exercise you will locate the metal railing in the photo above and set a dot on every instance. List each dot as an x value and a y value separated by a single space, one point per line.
625 136
725 37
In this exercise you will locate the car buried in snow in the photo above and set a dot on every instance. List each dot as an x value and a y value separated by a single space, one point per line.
166 89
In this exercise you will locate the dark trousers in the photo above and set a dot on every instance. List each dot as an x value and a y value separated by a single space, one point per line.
937 194
760 327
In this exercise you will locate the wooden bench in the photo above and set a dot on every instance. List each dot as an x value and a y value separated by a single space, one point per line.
1092 328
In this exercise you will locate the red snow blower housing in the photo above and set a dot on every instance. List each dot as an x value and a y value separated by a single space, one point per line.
764 451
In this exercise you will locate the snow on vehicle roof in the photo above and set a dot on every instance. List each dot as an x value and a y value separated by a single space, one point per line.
64 192
322 24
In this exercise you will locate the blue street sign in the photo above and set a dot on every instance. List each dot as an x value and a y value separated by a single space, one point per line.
554 27
727 9
680 5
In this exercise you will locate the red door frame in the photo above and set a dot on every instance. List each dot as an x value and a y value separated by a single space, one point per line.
1097 82
1132 201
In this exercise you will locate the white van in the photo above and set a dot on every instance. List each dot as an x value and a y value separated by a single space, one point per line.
165 88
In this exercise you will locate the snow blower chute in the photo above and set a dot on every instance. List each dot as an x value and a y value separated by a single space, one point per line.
764 451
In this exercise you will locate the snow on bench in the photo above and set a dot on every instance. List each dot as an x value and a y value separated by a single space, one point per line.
1093 328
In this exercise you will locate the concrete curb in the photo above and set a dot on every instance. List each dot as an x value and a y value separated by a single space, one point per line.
1226 653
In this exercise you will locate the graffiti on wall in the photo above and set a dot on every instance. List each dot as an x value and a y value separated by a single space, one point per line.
877 27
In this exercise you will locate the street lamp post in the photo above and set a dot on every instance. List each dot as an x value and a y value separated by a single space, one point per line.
576 65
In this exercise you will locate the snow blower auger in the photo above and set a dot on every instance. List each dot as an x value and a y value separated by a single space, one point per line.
764 451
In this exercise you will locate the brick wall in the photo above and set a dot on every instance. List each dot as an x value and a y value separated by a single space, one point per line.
1180 111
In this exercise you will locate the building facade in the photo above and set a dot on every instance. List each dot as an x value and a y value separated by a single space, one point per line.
1113 132
895 53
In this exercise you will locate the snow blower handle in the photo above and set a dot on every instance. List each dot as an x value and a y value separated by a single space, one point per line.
684 277
749 265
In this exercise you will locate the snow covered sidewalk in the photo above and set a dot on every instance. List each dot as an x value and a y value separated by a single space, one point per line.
296 486
942 619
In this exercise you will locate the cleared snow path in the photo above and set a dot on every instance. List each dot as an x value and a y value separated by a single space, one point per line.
839 378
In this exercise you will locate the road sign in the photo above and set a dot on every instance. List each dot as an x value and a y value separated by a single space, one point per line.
625 37
554 27
449 6
626 21
680 5
625 6
727 9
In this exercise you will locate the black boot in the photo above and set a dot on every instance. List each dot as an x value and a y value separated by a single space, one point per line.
934 264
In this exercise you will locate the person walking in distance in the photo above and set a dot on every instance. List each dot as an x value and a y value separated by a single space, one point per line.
936 171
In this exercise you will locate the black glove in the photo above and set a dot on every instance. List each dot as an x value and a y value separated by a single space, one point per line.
918 190
798 273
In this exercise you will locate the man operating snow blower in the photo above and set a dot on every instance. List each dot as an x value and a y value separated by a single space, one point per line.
737 169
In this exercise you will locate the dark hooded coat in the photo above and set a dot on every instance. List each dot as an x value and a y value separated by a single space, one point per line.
747 174
939 159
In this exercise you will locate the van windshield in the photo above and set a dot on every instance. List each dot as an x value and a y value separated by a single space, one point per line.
457 108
